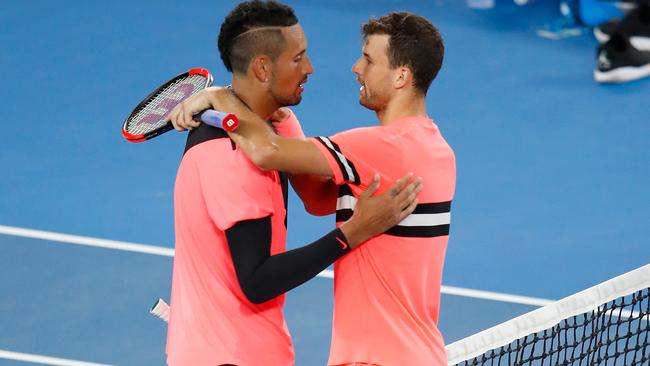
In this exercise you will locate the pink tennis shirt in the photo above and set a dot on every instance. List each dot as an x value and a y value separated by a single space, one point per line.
387 291
211 321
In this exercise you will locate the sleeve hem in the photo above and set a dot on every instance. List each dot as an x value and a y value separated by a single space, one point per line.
336 170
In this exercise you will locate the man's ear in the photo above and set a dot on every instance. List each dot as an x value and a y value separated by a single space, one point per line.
261 67
403 77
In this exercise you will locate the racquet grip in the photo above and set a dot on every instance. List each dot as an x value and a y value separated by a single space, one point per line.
160 309
227 121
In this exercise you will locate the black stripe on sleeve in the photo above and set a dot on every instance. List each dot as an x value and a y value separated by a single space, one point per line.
343 215
355 178
345 190
336 158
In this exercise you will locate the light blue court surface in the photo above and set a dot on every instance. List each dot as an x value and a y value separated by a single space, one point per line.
553 169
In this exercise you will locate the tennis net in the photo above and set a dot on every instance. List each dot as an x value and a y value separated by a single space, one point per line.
608 324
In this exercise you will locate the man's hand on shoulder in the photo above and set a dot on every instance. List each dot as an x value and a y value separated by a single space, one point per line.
182 116
215 97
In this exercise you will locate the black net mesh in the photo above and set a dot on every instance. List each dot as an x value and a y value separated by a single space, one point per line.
616 333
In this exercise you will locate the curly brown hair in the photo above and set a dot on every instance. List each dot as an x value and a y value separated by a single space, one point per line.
414 42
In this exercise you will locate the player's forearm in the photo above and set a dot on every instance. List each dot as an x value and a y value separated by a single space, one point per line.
269 151
263 277
272 152
295 156
317 193
285 271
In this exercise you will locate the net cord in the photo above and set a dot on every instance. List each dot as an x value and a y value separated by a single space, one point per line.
548 316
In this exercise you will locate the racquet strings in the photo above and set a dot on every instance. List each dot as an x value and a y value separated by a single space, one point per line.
151 115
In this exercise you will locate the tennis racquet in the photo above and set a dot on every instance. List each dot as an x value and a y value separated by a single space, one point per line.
147 120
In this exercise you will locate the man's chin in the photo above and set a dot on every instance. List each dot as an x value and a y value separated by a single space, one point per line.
367 105
288 102
293 102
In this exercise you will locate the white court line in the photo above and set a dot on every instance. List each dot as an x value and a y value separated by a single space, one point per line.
167 252
495 296
44 360
88 241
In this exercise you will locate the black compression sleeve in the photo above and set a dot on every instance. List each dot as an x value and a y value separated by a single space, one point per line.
262 276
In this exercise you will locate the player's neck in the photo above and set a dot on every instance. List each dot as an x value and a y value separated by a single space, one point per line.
254 97
403 106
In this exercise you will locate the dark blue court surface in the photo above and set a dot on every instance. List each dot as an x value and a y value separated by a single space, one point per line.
553 169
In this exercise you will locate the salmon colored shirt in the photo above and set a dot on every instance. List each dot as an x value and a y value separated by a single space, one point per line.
387 291
211 321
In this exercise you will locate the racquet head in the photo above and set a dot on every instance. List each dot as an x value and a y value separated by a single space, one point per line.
148 118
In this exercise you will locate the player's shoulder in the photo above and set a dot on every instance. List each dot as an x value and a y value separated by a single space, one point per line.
364 130
414 124
221 148
224 156
359 133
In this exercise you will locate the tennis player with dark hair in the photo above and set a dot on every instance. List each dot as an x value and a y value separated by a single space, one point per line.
230 266
387 292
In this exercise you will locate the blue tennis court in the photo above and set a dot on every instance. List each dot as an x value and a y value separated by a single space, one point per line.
553 173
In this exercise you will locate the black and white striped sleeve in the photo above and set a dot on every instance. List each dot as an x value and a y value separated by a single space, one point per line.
345 165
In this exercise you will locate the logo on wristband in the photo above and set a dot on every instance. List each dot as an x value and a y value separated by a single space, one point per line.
344 245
